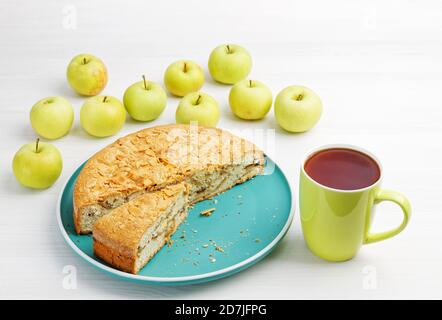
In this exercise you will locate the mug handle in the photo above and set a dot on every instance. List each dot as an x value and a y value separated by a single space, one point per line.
399 199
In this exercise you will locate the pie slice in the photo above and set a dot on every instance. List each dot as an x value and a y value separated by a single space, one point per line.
130 235
208 160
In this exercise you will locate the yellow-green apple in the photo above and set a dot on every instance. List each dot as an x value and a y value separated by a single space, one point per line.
145 100
198 107
297 108
102 116
230 63
52 117
87 74
37 165
250 99
183 77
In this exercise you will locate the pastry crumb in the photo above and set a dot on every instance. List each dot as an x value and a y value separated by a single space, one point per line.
217 248
170 242
208 212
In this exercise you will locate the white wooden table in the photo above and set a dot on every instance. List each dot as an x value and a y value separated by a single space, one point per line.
377 66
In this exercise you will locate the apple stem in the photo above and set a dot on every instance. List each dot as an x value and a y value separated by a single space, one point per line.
299 97
84 60
198 100
144 80
105 98
228 49
185 67
250 83
36 145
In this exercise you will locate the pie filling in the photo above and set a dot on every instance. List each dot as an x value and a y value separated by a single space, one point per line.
147 251
164 225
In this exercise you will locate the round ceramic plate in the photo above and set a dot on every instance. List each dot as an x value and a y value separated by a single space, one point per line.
249 220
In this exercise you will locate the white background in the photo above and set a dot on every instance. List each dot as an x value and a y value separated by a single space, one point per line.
377 65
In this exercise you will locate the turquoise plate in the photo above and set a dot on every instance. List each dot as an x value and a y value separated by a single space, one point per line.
250 219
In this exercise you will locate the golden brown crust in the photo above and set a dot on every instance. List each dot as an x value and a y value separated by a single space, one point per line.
114 258
155 157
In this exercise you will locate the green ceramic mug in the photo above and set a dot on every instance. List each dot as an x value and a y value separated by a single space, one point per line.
335 222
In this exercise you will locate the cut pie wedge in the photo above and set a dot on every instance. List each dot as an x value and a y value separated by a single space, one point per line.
129 236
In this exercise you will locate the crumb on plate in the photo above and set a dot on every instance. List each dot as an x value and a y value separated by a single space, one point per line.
208 212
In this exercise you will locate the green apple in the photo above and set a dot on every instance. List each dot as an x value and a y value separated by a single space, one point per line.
297 108
145 100
52 117
183 77
198 107
250 99
102 116
37 165
230 63
87 74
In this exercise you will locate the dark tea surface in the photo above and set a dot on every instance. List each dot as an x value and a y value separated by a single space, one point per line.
341 168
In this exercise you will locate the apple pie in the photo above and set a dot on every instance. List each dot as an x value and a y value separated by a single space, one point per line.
143 167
